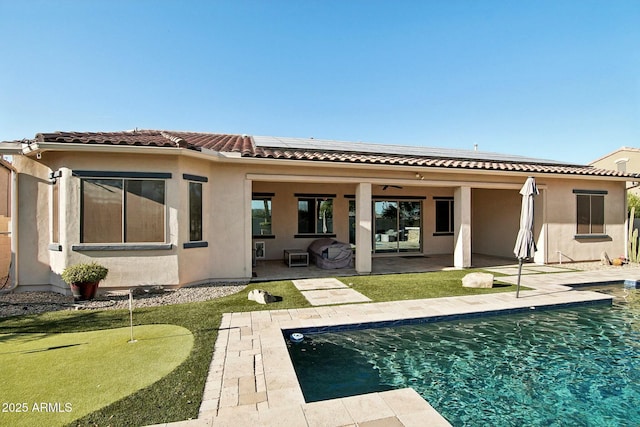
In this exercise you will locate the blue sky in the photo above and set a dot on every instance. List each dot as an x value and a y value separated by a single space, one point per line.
552 79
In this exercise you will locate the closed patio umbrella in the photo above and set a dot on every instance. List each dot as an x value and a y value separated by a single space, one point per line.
525 245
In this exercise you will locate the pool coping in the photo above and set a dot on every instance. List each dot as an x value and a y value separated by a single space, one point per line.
252 381
310 330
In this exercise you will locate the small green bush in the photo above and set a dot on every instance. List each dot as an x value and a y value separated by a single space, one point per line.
79 273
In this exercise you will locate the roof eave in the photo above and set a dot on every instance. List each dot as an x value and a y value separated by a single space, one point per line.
33 148
417 168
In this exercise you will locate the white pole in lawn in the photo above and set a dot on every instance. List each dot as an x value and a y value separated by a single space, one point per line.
131 316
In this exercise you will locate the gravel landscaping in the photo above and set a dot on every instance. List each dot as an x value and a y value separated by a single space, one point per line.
20 303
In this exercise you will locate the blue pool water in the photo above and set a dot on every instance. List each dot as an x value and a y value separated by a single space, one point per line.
569 367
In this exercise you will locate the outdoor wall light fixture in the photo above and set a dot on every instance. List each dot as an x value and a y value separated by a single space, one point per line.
53 176
419 176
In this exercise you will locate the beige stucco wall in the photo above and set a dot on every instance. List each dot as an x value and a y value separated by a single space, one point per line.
495 206
495 221
39 265
225 209
33 223
560 220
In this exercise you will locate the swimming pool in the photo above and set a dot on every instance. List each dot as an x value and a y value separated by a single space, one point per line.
567 367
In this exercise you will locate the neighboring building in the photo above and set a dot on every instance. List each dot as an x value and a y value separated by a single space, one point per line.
624 159
179 208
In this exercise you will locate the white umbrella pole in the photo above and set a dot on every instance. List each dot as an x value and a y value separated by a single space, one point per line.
519 275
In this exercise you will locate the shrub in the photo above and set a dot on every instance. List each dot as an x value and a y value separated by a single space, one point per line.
88 272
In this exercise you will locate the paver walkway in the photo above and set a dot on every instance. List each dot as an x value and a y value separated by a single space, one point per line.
328 291
252 381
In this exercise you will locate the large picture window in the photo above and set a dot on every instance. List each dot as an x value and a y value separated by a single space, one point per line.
590 213
122 211
315 215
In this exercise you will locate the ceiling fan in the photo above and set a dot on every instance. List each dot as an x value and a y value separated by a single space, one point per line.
384 187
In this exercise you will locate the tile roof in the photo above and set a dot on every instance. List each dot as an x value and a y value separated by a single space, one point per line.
447 163
155 138
331 151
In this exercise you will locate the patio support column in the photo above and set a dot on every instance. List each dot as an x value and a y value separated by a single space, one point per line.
462 221
363 228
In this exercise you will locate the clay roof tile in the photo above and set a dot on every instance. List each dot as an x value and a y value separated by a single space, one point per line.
328 151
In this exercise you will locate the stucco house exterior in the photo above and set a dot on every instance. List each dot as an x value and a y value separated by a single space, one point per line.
178 208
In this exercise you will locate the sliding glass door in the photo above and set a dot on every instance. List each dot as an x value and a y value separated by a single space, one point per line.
386 230
397 226
409 220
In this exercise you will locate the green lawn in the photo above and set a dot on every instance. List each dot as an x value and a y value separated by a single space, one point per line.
177 395
418 286
72 374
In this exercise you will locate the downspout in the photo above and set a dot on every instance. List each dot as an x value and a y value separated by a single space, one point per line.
13 269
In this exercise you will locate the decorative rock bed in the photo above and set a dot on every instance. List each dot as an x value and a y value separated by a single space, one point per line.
20 303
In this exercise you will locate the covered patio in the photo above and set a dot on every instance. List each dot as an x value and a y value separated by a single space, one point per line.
278 270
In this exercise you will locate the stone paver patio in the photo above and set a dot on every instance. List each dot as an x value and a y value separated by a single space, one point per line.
252 381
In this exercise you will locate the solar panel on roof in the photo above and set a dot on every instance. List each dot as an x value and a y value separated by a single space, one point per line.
361 147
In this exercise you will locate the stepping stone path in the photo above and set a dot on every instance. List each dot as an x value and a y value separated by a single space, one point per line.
328 291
